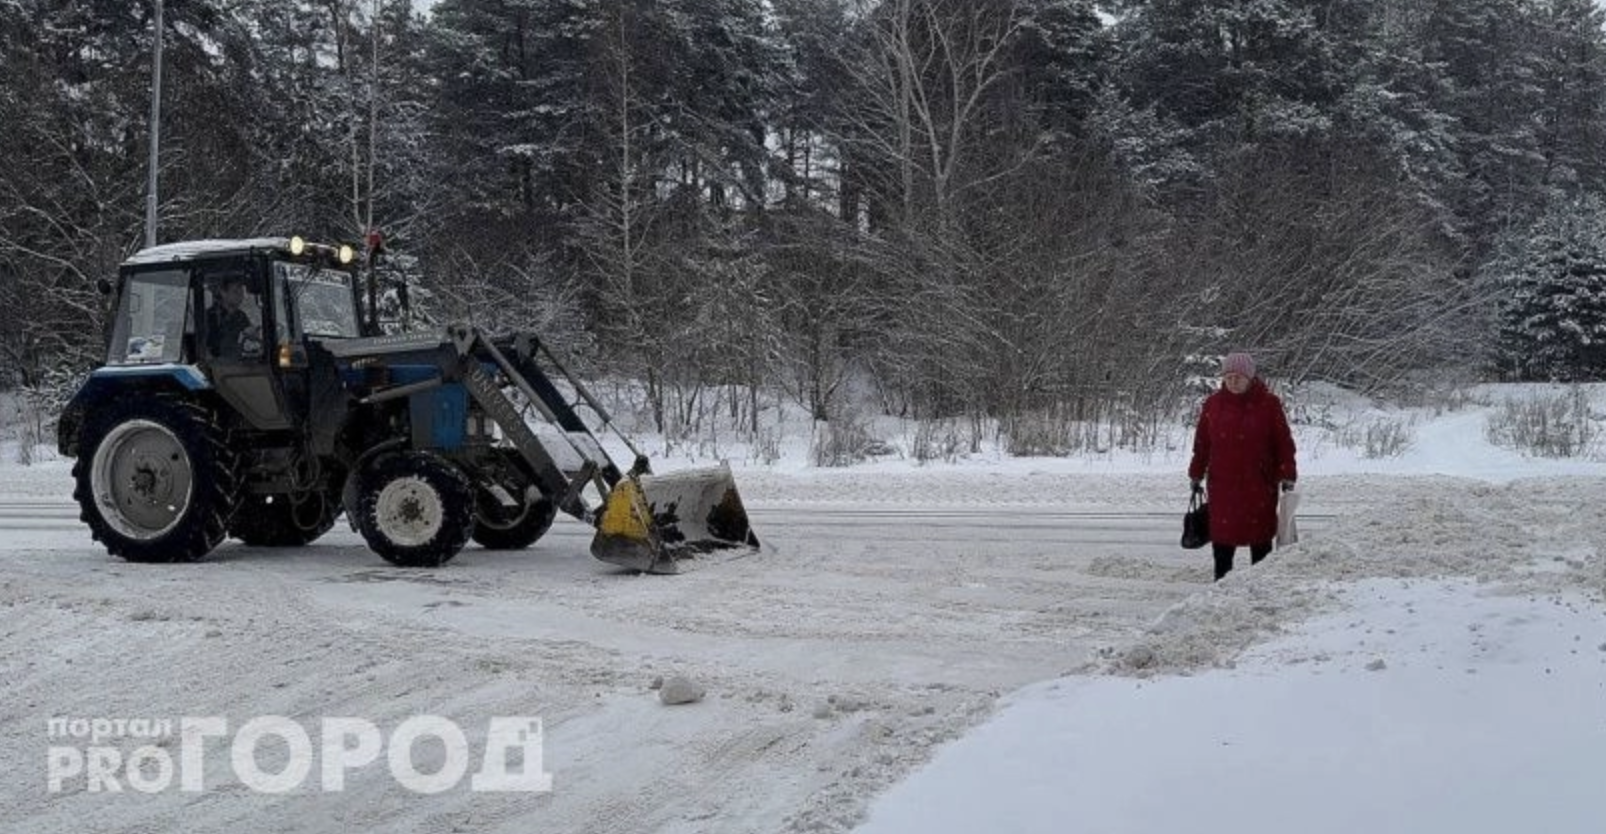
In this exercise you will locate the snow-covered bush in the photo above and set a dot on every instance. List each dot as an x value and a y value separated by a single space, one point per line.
1039 434
33 410
841 441
942 440
766 447
1558 425
1380 438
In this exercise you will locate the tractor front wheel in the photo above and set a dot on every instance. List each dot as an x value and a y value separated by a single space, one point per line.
417 510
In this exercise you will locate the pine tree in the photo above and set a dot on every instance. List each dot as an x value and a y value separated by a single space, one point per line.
1571 110
1485 52
1551 285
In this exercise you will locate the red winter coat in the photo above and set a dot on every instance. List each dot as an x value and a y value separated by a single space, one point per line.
1243 447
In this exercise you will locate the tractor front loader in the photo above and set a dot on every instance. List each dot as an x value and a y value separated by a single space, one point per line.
248 393
644 522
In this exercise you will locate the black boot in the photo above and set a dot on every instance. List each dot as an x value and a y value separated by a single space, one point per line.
1223 554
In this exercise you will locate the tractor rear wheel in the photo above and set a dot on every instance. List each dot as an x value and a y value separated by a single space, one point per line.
416 510
283 520
497 527
154 479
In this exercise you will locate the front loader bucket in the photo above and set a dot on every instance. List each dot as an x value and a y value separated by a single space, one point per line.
651 523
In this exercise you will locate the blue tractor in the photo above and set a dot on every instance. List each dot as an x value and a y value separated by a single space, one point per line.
248 392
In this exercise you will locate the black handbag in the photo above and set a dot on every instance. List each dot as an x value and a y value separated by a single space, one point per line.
1196 523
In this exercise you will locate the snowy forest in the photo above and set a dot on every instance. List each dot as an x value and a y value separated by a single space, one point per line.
998 209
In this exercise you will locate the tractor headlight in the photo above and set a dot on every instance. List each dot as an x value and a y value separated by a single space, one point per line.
297 245
346 253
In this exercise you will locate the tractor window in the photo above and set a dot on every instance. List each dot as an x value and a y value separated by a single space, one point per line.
323 300
153 314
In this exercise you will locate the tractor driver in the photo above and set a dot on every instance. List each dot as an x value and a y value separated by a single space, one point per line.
227 325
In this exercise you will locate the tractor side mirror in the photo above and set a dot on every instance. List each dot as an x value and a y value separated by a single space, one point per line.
104 286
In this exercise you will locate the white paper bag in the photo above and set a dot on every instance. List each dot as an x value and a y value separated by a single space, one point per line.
1287 531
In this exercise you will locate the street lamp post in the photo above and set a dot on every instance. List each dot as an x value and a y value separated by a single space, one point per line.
156 133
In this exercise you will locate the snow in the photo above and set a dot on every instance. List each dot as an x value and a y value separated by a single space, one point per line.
1423 706
197 248
988 644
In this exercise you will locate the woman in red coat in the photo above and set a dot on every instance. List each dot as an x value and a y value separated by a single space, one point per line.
1244 448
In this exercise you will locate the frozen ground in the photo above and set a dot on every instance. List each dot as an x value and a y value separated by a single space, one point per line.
996 644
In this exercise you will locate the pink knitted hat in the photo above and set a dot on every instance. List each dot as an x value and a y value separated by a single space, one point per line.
1238 363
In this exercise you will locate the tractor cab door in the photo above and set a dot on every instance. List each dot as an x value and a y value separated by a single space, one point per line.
232 342
313 305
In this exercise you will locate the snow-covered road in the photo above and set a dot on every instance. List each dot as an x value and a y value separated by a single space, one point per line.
869 629
887 614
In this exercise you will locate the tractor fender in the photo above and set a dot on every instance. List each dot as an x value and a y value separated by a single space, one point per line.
119 382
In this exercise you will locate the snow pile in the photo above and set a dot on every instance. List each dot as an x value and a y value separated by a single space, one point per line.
1421 528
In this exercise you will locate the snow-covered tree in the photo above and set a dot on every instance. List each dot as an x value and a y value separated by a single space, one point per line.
1550 287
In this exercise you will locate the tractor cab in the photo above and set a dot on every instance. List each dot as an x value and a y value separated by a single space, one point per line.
237 313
